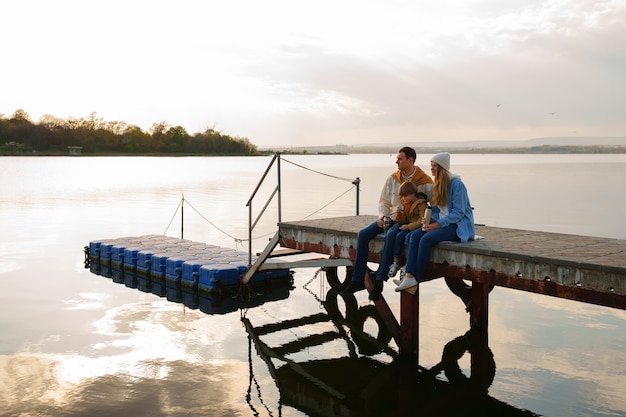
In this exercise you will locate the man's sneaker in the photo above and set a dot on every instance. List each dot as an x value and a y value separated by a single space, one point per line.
353 287
393 270
402 275
376 291
406 283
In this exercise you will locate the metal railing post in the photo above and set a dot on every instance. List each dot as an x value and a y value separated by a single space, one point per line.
279 195
182 217
357 183
250 233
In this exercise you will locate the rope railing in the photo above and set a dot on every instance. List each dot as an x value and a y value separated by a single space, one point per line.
318 172
238 240
328 204
174 215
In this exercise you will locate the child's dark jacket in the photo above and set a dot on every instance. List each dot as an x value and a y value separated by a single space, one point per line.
414 217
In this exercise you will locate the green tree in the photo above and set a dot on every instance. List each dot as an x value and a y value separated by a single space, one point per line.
21 115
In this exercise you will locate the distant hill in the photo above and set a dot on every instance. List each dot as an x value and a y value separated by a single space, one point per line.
580 141
548 144
549 141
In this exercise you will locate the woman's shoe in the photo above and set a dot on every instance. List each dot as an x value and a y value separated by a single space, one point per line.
393 270
407 283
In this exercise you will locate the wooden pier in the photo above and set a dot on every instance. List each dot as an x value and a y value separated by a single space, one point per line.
581 268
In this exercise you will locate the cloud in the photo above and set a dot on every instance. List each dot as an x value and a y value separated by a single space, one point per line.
326 72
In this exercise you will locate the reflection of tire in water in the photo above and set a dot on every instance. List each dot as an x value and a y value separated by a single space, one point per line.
333 274
332 306
473 343
369 344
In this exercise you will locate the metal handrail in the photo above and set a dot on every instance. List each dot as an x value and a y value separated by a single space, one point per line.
277 191
252 225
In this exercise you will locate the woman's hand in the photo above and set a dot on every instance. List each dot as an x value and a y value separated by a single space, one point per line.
429 227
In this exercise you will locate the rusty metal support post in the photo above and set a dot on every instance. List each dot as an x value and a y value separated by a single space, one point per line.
479 309
481 362
409 323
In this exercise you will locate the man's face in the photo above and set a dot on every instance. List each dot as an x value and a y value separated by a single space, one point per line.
402 161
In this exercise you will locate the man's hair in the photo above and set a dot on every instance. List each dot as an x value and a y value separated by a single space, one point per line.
408 152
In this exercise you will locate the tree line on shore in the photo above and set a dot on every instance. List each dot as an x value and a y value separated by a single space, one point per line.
19 135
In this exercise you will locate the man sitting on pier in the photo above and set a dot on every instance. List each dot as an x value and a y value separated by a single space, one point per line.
387 207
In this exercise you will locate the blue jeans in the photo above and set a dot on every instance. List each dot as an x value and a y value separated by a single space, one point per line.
391 239
419 244
397 247
364 237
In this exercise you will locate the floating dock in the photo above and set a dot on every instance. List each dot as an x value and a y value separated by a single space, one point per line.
190 264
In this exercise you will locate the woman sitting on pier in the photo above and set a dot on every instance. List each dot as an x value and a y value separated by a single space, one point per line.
452 220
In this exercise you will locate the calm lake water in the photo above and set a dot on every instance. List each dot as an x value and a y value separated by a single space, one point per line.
75 343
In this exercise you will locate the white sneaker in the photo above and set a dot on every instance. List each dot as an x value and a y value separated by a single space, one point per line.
393 270
407 283
402 275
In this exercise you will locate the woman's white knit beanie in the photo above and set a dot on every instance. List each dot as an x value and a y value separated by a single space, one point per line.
443 159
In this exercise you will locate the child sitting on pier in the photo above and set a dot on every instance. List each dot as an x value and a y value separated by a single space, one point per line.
409 217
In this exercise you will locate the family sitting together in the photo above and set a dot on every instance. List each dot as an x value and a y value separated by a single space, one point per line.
406 195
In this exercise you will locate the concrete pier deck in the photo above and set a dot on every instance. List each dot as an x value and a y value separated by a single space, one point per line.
582 268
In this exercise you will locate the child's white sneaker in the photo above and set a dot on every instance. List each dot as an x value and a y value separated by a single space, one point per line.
402 275
393 270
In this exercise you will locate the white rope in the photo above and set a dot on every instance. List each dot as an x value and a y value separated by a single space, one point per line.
329 203
170 223
237 240
240 240
317 172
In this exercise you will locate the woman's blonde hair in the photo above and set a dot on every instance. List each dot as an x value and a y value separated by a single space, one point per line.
441 186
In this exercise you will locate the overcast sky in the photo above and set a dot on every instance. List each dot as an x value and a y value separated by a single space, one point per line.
323 72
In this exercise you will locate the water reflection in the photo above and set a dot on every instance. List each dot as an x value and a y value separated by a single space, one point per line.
356 371
170 388
229 299
359 384
63 328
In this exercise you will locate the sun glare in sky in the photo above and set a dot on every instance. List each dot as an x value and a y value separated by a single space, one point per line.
323 72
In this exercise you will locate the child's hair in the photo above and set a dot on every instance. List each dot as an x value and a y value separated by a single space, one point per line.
407 188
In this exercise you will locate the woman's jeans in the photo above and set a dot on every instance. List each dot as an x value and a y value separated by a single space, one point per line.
419 244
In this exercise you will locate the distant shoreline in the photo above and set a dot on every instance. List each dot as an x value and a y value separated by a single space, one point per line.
544 149
321 150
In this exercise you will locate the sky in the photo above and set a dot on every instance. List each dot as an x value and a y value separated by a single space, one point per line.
292 73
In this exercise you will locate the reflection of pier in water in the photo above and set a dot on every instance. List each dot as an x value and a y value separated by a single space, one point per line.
370 379
358 384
